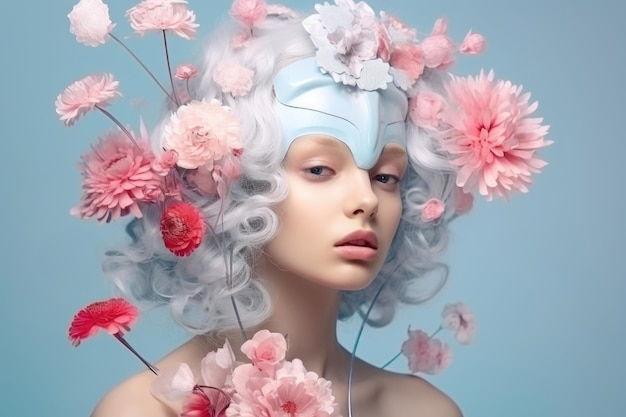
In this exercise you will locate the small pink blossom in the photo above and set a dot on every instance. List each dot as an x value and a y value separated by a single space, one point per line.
186 72
249 13
233 78
90 22
473 44
85 94
430 356
463 202
202 132
433 209
492 139
163 164
425 109
439 50
460 320
408 58
241 39
172 15
266 350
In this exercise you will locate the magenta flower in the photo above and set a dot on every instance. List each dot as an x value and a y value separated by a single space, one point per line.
460 320
117 177
233 78
249 13
492 139
83 95
172 15
90 22
426 355
473 44
433 209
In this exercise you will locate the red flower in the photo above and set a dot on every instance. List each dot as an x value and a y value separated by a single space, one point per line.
115 315
182 227
205 402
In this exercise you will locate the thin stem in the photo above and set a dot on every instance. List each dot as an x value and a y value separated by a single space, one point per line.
232 298
169 69
121 126
435 332
136 58
391 360
151 367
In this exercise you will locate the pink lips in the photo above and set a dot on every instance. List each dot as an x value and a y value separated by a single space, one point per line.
361 245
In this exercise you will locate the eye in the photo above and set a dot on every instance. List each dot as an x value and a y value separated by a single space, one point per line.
319 171
387 178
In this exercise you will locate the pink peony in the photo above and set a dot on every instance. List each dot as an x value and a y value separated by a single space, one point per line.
438 49
233 78
408 58
116 178
163 164
473 44
249 13
186 72
460 320
433 209
90 22
425 109
182 226
83 95
265 349
202 132
172 15
426 355
492 139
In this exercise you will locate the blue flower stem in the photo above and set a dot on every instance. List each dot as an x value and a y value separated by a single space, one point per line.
391 360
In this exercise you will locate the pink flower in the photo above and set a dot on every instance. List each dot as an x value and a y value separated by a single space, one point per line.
83 95
116 178
205 402
182 226
202 132
426 355
384 43
114 316
492 139
433 209
241 39
460 320
163 164
438 49
425 109
233 78
408 58
170 15
265 349
473 44
463 202
186 72
249 13
90 22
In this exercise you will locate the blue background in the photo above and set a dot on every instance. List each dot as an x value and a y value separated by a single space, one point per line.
544 273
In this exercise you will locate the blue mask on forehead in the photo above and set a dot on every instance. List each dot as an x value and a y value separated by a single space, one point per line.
309 102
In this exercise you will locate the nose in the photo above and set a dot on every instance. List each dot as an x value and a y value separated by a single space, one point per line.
360 197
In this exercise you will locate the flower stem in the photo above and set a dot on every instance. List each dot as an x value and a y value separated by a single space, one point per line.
136 58
391 360
119 337
232 298
121 126
169 69
440 328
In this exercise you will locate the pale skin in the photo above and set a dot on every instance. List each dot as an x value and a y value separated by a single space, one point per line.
305 273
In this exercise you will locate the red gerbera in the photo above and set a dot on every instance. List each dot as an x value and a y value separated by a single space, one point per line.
206 402
182 227
115 315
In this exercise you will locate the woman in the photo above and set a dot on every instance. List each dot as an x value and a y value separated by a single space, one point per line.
313 149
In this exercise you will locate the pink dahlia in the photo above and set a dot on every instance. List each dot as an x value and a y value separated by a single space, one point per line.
202 132
117 176
114 315
492 139
182 226
172 15
90 22
460 320
85 94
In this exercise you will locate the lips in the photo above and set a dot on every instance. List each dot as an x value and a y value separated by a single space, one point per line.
361 238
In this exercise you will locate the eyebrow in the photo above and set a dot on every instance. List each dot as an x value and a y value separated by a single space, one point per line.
327 142
393 152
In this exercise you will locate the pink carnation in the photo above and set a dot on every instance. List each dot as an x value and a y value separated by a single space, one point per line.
430 356
233 78
186 72
438 49
460 320
433 209
90 22
266 350
492 139
249 12
170 15
425 109
408 58
202 132
473 44
116 177
85 94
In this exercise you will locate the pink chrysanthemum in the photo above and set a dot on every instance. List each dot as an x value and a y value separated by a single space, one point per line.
492 139
233 78
459 319
202 132
172 15
249 12
117 176
115 315
83 95
90 22
182 226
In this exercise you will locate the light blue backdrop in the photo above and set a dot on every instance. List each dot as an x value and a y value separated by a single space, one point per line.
545 273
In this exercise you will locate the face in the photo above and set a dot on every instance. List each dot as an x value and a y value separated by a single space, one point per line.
338 221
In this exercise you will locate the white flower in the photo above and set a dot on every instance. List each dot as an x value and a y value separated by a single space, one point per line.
90 22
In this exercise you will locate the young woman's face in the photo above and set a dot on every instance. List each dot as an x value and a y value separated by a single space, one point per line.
338 221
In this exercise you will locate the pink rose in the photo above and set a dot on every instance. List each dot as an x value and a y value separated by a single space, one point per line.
164 163
433 209
408 58
425 109
265 349
459 319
